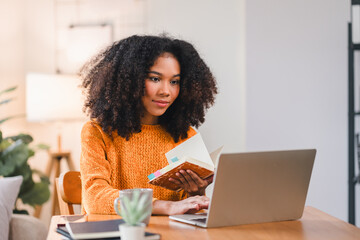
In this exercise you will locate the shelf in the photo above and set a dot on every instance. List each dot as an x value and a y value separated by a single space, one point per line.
355 46
353 114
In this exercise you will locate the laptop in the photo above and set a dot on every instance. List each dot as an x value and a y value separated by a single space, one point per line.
256 187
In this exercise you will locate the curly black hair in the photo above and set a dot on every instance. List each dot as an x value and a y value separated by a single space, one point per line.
114 82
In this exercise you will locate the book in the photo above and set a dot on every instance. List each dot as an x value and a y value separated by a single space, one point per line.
193 147
202 169
108 229
189 155
63 231
66 235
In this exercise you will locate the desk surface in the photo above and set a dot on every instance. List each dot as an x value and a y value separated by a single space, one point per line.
314 224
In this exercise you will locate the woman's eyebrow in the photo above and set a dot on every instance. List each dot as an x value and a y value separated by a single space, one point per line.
157 73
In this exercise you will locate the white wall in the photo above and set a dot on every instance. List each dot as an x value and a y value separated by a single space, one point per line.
297 88
12 47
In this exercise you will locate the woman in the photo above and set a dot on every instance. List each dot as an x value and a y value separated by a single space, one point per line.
143 94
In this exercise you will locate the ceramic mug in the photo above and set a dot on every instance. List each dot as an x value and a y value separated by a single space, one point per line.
144 197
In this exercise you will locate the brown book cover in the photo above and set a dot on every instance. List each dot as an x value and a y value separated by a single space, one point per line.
204 170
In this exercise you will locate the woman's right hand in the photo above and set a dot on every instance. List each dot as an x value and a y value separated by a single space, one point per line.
188 205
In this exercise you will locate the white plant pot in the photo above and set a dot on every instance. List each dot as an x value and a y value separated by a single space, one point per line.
129 232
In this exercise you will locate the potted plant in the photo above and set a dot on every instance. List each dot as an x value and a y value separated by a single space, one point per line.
135 209
14 155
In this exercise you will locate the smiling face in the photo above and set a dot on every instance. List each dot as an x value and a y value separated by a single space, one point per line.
162 87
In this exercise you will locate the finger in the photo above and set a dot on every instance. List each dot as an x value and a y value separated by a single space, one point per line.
210 179
187 177
192 184
197 204
199 199
204 204
204 199
177 182
182 180
192 204
193 208
197 179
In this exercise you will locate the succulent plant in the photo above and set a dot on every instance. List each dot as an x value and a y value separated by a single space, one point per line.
136 209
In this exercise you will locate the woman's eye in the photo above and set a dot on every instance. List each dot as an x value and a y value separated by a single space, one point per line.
175 82
154 79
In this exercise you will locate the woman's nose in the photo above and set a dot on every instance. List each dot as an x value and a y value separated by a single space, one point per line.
164 88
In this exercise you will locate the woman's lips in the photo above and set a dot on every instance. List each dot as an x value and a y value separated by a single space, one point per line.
161 103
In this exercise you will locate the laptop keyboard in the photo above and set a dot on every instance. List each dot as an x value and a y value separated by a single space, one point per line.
202 220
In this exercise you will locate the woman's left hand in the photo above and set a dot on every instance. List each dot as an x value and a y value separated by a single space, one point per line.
191 182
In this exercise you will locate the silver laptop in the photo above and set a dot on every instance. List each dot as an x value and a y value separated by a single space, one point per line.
257 187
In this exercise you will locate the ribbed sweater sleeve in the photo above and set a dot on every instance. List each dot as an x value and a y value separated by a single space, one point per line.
95 173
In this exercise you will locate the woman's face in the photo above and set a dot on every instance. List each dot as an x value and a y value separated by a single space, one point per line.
162 87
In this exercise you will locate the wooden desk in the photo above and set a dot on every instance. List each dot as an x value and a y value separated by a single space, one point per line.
314 224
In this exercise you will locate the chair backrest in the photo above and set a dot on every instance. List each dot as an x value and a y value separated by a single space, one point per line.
68 187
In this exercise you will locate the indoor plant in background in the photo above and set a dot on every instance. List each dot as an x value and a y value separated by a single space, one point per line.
14 155
135 209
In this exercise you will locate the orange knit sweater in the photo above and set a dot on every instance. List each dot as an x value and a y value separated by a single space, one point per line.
108 164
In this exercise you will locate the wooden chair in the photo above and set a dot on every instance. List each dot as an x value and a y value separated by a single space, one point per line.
69 191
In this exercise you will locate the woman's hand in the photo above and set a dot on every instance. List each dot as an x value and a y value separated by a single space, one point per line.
191 182
188 205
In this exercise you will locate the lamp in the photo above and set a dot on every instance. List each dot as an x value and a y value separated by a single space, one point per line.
54 98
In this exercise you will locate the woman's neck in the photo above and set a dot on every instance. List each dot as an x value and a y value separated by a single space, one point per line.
149 120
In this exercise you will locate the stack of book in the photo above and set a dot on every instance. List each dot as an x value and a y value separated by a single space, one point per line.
108 229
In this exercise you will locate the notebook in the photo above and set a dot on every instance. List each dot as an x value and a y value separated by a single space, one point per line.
108 229
257 187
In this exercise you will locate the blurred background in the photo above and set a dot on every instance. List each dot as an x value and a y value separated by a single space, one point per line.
281 68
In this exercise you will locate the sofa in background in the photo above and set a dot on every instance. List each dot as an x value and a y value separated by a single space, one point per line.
16 226
26 227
